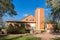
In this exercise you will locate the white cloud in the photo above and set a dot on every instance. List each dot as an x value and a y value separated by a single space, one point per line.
25 14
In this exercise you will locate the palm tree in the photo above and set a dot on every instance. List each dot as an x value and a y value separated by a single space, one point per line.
6 7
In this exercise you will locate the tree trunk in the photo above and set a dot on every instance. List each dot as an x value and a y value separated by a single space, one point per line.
1 21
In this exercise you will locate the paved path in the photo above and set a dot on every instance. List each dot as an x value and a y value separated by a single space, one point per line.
46 36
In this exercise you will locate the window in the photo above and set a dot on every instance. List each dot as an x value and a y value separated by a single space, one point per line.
33 20
26 19
30 19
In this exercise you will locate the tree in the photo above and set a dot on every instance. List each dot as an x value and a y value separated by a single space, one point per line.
55 8
48 19
6 7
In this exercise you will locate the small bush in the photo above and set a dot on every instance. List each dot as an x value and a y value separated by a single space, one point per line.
10 28
16 29
43 31
22 29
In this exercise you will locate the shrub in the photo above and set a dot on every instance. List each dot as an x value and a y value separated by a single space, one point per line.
57 27
10 28
22 29
43 31
16 29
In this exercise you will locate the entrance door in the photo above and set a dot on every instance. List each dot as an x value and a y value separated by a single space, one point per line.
32 25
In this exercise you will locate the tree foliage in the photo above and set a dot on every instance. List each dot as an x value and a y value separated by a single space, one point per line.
55 12
48 19
6 6
55 8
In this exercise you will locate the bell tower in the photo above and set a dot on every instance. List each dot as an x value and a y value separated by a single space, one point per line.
39 17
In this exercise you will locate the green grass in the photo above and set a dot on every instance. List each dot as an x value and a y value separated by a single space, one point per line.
19 38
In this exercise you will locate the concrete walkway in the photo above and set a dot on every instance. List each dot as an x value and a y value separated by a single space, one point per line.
46 36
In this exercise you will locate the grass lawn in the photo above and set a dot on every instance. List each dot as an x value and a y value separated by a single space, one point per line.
19 38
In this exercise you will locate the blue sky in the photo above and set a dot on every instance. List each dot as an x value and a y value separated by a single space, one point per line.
26 7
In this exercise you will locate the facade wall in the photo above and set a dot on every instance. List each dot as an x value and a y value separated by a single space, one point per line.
29 18
8 23
50 26
27 25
